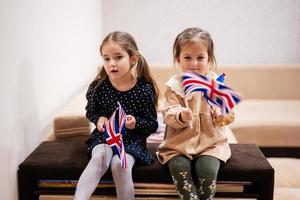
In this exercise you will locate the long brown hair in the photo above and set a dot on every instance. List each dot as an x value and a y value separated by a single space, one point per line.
127 42
191 35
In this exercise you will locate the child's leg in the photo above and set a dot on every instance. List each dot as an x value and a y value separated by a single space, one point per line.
207 168
97 166
180 169
123 177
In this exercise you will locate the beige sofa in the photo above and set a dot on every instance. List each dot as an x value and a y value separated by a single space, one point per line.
269 115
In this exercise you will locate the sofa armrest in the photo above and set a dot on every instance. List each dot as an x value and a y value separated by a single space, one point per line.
69 126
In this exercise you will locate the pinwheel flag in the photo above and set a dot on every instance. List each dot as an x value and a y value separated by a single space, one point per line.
114 129
215 92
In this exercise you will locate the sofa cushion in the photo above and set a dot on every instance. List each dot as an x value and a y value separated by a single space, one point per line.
268 122
68 157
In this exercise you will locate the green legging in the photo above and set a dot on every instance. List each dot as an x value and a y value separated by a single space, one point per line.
206 169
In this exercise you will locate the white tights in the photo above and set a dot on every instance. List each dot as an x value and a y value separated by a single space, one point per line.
96 168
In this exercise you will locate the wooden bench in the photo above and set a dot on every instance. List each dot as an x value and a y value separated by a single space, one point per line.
65 159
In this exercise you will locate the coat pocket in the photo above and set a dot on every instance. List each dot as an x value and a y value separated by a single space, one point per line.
208 126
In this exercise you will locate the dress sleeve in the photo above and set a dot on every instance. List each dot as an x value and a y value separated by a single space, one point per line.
94 110
146 122
174 105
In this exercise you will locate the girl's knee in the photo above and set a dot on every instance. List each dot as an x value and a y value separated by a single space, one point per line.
116 165
207 166
101 155
101 160
179 163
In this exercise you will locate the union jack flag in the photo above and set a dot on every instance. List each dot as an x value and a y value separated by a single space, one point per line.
114 129
214 91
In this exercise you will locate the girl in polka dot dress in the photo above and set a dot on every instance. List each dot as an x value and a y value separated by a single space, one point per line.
124 78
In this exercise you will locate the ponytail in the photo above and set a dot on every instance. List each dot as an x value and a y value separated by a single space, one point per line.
100 76
143 73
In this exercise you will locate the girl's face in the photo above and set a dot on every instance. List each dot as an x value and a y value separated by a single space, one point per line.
117 62
194 57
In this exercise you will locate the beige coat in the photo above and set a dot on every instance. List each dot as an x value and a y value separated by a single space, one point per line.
200 137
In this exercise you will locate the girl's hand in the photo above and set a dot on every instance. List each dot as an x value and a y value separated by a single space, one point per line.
130 122
101 123
216 112
186 115
220 119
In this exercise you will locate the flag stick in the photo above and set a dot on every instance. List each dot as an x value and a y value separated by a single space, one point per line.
187 106
196 103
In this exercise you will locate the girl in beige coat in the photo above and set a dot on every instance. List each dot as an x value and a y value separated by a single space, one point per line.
195 138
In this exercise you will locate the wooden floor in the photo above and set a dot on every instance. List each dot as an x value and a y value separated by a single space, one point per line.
62 197
100 198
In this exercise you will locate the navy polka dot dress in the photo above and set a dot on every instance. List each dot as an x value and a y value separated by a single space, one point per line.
139 102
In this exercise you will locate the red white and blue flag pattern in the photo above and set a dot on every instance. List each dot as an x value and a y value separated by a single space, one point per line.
214 91
114 129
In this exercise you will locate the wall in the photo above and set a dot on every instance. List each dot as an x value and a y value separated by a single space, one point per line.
48 52
244 32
